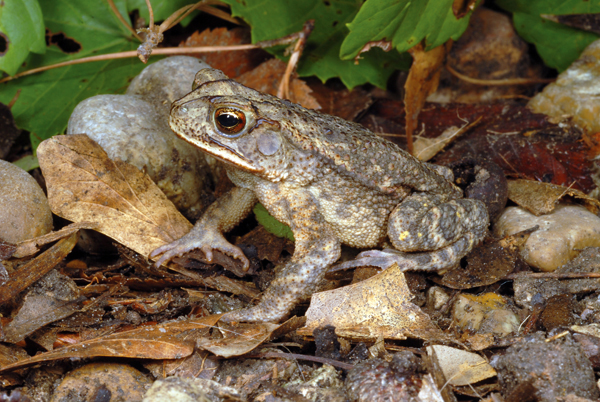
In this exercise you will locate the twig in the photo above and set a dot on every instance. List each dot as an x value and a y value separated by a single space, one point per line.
14 98
115 10
151 12
154 34
132 53
284 86
506 81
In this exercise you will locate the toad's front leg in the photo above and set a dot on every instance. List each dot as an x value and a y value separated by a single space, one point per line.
316 248
207 234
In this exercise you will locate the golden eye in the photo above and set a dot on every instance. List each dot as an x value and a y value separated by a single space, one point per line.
230 121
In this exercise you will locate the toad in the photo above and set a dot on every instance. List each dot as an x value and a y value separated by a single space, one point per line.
332 181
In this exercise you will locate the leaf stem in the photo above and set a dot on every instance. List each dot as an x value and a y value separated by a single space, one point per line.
506 81
115 10
132 53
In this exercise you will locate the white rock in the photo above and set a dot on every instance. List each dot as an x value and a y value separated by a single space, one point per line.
575 94
562 234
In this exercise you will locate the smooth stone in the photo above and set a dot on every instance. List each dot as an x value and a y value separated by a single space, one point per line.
575 93
24 209
560 237
135 128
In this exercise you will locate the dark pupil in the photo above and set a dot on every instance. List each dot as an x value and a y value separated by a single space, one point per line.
228 119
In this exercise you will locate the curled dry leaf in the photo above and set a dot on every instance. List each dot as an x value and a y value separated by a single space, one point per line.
173 340
85 185
488 263
423 79
461 367
52 298
237 339
32 246
377 307
427 148
541 198
385 45
36 268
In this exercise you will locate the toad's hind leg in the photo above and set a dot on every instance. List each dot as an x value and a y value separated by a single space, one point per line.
442 232
429 233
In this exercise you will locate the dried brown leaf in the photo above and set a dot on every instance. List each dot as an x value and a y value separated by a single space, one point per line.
265 78
36 268
32 246
377 307
385 45
460 8
237 339
461 367
38 311
541 198
423 79
488 263
233 64
85 185
173 340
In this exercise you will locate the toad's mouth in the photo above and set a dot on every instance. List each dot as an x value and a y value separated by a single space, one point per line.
228 155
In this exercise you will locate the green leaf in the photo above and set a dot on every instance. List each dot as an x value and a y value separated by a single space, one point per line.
22 27
28 163
558 7
271 19
47 99
558 45
161 9
405 23
271 224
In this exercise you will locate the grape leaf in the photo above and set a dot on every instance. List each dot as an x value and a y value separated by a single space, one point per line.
271 19
403 22
47 99
558 45
22 29
161 8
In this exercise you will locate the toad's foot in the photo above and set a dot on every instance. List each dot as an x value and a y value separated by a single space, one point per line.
425 261
207 241
375 258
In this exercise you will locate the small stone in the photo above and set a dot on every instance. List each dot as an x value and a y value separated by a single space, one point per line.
534 369
102 382
437 297
574 94
177 389
484 314
560 237
135 128
24 209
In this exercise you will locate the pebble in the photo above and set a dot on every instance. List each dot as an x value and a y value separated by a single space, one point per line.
484 314
135 128
560 237
24 209
575 93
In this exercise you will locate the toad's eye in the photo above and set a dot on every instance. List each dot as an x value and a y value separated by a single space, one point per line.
230 121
